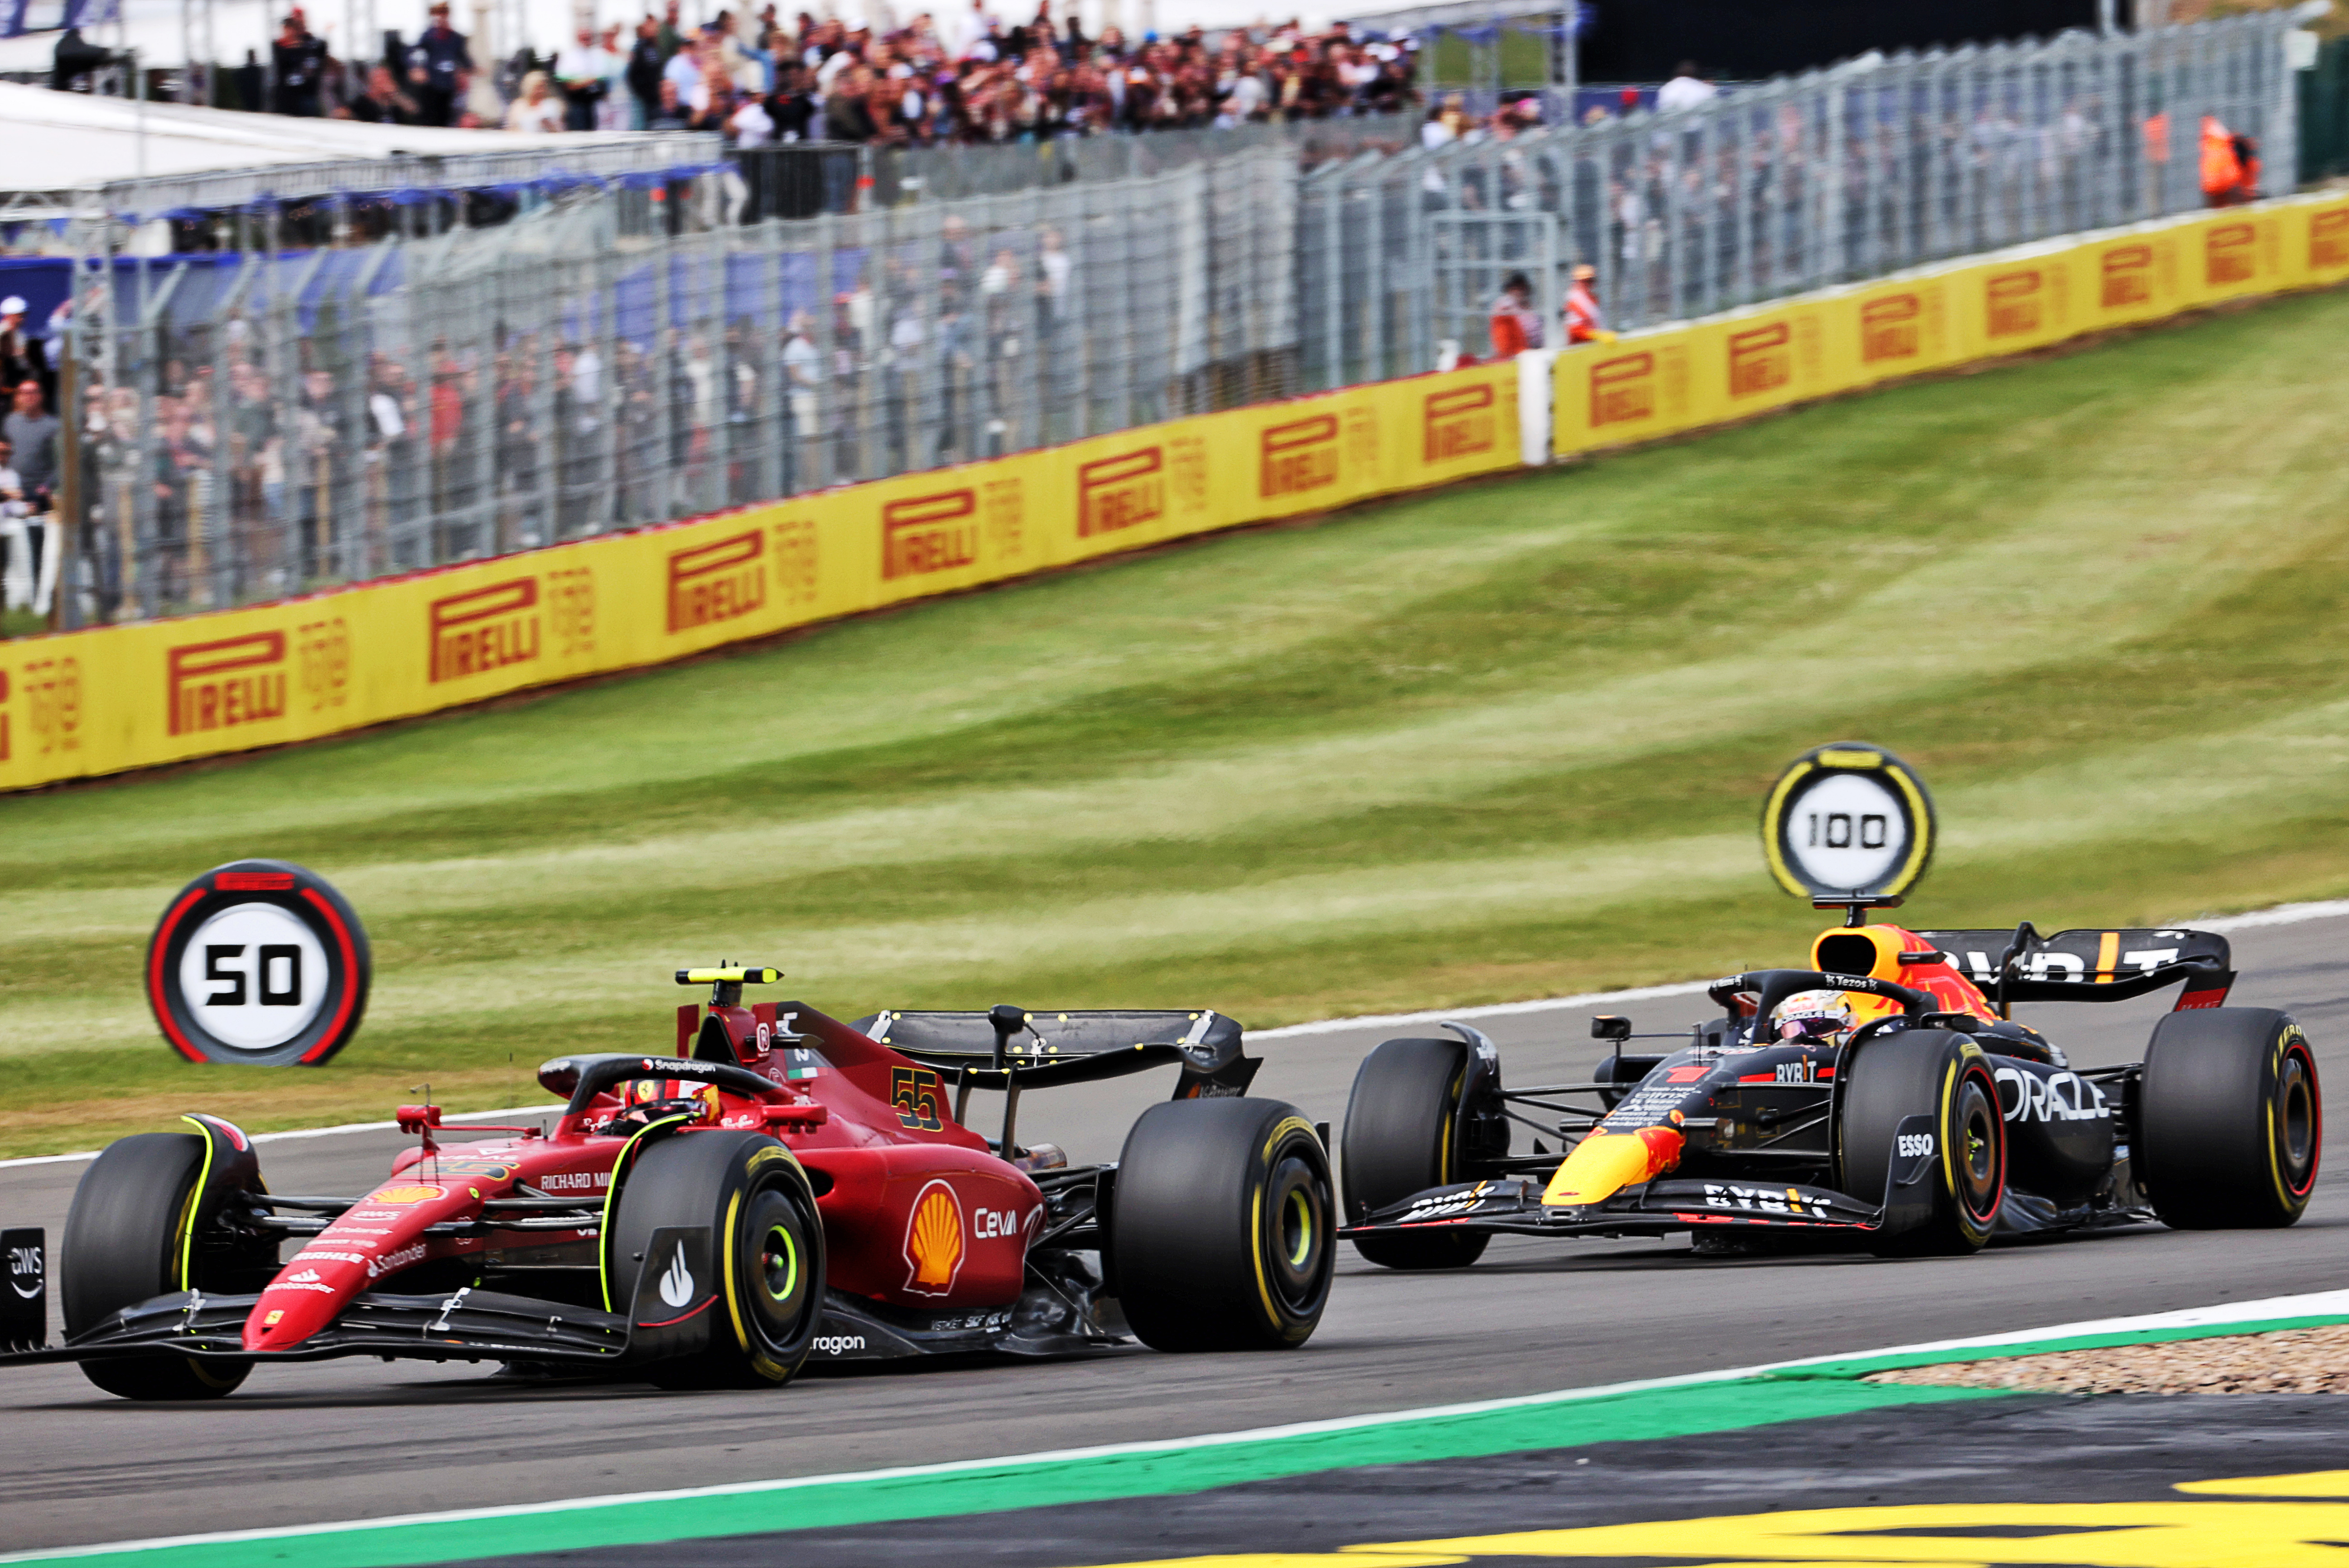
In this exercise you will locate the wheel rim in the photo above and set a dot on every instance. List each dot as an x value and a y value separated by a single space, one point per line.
775 1242
1296 1240
1981 1153
2298 1122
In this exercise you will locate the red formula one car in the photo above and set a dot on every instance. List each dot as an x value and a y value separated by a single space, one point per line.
793 1186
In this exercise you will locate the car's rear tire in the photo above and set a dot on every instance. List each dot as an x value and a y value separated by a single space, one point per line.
766 1247
2230 1120
1930 1072
126 1241
1403 1135
1221 1226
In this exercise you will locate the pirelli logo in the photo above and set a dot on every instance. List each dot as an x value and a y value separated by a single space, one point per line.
2017 303
1461 422
1623 390
2230 252
1120 492
221 685
721 581
2328 239
1889 327
2126 277
1761 360
929 534
485 629
1300 456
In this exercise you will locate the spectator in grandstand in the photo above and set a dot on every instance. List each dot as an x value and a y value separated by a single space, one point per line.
643 73
670 112
382 103
1685 91
299 61
537 109
32 432
584 70
439 67
20 353
1516 324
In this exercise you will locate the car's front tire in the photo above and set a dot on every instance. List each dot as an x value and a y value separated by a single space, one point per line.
1221 1226
1403 1135
1946 1078
126 1241
766 1245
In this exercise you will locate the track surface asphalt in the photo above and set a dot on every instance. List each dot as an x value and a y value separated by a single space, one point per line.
353 1439
1938 1471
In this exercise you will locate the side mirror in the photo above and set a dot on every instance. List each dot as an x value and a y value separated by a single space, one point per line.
1608 1026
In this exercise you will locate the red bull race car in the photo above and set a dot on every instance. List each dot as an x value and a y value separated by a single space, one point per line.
1882 1097
786 1186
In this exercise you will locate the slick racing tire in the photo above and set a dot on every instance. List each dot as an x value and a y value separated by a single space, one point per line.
766 1252
1401 1136
2230 1120
1931 1073
127 1239
1220 1226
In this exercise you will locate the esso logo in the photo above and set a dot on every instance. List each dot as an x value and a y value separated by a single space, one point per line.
253 976
1914 1144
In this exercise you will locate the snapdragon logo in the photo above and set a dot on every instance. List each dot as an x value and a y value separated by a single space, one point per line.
839 1343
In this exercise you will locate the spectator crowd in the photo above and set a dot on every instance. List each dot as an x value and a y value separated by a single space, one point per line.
949 76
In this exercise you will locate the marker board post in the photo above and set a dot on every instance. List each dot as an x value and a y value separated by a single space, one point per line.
1849 819
259 963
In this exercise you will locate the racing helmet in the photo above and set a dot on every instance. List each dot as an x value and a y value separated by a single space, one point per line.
1811 1015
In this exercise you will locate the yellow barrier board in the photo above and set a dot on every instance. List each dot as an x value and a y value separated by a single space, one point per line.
1690 375
117 698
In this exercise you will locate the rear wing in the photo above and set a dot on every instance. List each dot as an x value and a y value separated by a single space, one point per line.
2021 965
989 1050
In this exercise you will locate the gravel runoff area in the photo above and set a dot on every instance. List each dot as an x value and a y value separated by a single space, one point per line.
2292 1361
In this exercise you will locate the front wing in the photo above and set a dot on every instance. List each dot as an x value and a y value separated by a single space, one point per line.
457 1325
1514 1207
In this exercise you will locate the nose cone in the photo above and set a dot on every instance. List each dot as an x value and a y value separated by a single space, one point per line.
1605 1163
302 1299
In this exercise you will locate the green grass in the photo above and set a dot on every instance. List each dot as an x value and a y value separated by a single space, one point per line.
1499 741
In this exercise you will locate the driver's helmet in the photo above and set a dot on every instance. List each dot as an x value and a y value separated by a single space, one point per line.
1811 1015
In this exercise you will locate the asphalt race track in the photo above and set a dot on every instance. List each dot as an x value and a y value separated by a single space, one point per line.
352 1439
1941 1472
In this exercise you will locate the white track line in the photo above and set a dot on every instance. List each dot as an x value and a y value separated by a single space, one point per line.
2281 915
289 1137
2323 1303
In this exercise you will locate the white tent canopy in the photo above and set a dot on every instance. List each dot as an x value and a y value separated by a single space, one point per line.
61 141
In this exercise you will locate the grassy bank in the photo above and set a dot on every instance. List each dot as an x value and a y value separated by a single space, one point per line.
1492 744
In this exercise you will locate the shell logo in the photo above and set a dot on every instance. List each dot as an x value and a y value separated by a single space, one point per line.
416 1194
934 1241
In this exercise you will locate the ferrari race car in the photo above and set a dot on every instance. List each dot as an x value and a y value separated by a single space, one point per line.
1882 1097
786 1186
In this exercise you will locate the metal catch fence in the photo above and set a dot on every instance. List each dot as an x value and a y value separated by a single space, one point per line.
258 424
1853 172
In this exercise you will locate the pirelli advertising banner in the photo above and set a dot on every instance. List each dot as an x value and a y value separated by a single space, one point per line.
114 698
1707 372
